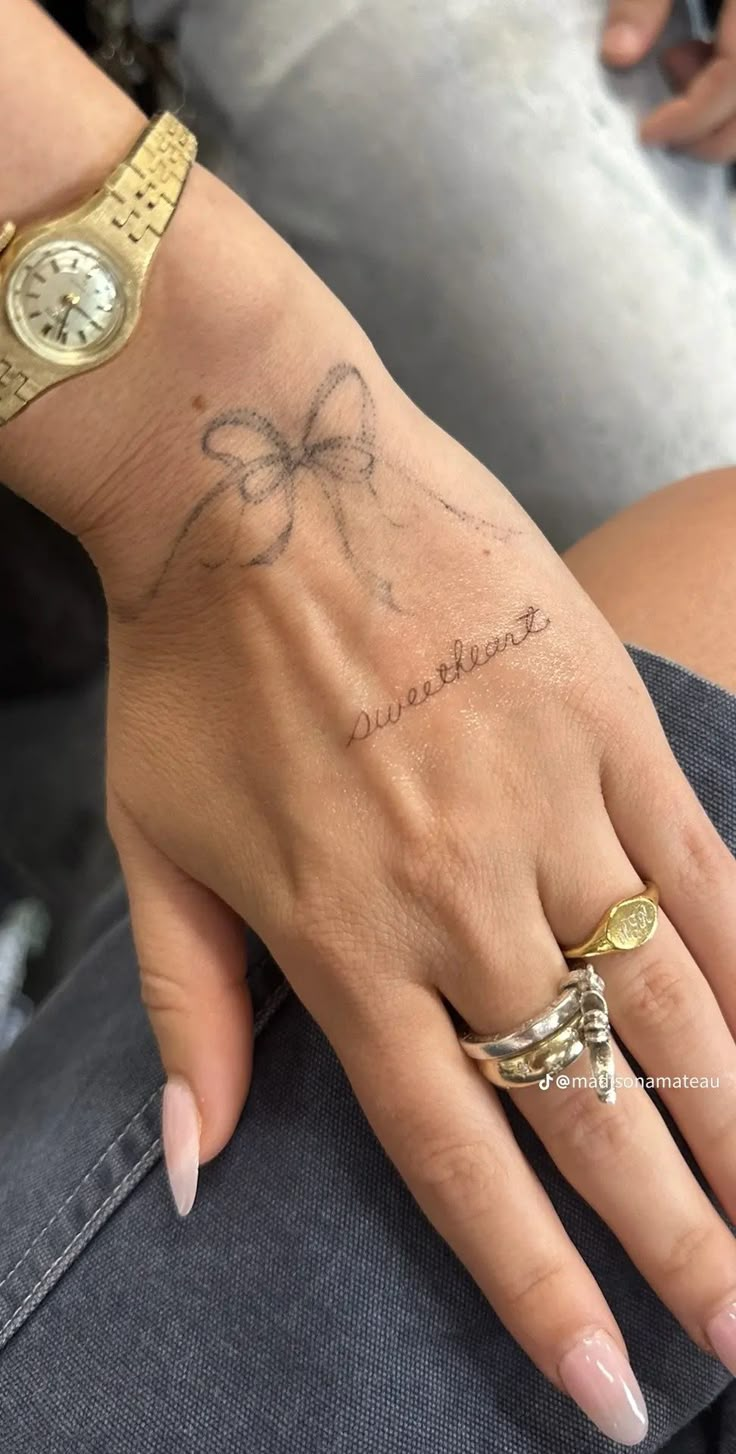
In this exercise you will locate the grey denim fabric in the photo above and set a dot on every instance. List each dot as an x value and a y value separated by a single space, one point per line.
466 176
305 1304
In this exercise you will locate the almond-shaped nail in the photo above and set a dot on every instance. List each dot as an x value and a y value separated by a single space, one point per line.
721 1331
180 1134
600 1379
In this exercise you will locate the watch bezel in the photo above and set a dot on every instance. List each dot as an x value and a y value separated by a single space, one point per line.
84 224
66 358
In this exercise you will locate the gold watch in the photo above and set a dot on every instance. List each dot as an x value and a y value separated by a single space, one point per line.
72 287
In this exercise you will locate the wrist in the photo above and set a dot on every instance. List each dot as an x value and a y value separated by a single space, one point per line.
106 453
235 321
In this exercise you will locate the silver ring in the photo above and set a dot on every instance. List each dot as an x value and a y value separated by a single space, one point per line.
526 1036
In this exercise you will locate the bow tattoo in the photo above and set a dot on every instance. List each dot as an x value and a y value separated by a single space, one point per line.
261 475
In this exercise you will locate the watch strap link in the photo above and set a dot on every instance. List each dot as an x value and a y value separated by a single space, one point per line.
140 196
16 389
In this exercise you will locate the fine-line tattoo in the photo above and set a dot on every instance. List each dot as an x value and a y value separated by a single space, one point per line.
465 659
265 467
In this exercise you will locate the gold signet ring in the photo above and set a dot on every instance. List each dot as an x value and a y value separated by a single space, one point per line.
626 925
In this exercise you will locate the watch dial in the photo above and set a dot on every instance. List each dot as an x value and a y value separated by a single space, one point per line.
65 299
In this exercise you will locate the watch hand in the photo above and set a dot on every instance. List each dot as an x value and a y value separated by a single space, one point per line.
92 321
64 319
72 301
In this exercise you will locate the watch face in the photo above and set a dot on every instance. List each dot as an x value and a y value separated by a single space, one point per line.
65 300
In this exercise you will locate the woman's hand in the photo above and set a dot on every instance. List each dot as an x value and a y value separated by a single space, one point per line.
356 700
701 120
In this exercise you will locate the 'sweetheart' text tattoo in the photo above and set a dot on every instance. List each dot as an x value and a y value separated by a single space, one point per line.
465 659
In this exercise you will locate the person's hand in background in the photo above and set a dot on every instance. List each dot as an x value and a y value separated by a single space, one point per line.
701 118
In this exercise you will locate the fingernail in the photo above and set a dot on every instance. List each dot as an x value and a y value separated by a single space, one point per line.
721 1331
600 1379
180 1134
622 43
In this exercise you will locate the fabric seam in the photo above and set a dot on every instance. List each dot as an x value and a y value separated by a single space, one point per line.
77 1188
272 1004
96 1213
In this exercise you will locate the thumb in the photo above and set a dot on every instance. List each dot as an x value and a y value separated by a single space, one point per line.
632 27
191 954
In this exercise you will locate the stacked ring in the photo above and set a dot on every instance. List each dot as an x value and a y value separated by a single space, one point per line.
548 1058
545 1044
530 1035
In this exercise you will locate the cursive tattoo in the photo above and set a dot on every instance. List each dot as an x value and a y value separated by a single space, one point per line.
465 659
263 477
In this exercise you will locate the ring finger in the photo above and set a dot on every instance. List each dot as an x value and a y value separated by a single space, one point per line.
444 1128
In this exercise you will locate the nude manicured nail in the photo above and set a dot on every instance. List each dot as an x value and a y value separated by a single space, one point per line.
599 1378
622 43
721 1331
180 1132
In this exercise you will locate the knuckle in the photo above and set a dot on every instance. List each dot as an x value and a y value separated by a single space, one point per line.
437 865
658 997
309 913
588 703
162 993
685 1251
321 933
536 1285
700 859
335 943
581 1130
718 1139
467 1176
